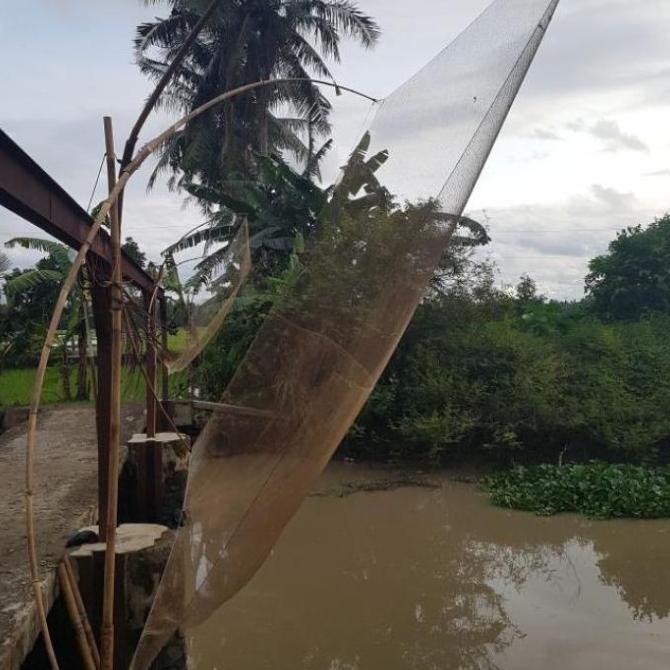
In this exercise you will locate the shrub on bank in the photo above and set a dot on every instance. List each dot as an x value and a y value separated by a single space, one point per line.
479 383
596 489
499 389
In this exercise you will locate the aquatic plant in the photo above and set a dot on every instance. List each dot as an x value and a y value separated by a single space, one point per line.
598 490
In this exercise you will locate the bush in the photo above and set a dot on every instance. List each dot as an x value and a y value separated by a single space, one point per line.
596 489
488 379
467 384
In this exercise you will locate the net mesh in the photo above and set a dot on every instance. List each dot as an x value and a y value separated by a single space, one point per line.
322 348
224 282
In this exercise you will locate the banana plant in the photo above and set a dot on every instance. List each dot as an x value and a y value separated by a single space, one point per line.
284 208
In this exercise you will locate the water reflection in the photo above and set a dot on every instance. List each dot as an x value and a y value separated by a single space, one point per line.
421 578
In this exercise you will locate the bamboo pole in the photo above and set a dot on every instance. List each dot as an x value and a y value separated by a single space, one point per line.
81 608
107 632
38 383
165 388
133 343
32 557
75 618
150 363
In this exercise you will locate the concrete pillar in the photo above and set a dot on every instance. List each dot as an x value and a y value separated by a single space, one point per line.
156 470
142 551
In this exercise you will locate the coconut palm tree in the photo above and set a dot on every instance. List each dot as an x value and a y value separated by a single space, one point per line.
247 41
46 278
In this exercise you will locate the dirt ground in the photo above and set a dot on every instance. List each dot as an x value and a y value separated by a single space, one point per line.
65 500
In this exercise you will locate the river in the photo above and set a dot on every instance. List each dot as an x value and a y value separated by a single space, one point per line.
433 577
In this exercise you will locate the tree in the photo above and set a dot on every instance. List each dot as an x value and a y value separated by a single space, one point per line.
526 290
32 293
5 321
132 250
247 41
633 278
281 209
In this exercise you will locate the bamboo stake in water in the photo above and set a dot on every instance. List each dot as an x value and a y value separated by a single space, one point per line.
107 632
81 608
75 618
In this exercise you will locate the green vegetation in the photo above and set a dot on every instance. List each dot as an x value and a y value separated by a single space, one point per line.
598 490
633 279
492 377
16 385
494 381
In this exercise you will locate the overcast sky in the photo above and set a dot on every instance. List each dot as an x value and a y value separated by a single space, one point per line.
586 149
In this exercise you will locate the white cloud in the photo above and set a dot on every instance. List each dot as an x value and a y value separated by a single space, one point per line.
611 134
603 61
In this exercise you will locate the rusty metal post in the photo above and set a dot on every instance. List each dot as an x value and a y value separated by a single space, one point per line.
164 423
150 364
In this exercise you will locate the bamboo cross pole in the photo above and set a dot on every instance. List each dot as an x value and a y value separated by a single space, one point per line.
107 632
150 364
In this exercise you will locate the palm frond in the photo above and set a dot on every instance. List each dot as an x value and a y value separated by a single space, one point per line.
479 235
346 16
30 279
37 244
313 168
215 234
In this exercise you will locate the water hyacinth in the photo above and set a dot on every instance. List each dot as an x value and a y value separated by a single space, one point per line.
598 490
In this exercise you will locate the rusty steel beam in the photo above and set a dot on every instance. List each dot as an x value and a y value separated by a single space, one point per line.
27 190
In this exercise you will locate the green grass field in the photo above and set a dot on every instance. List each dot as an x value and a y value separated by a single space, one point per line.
16 386
178 341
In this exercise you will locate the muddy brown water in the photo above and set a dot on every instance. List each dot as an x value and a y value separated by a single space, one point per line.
436 578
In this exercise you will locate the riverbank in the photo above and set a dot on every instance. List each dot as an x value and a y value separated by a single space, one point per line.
596 489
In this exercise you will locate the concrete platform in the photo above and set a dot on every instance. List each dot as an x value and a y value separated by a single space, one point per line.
66 499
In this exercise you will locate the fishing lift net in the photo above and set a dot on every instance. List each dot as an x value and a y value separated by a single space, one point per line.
322 348
225 277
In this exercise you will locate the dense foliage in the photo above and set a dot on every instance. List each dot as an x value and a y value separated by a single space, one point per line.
489 376
247 41
477 380
598 490
633 279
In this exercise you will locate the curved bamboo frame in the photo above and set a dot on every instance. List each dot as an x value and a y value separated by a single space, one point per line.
36 394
